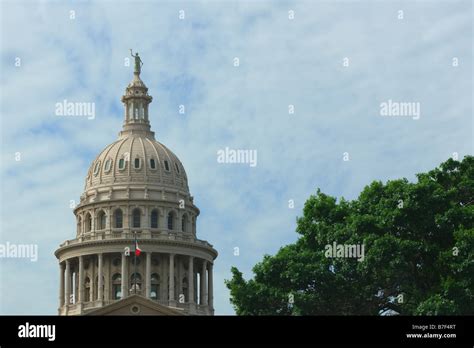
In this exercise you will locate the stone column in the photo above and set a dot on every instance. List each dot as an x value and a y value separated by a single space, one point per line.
195 285
191 280
203 284
92 295
179 278
76 284
164 279
124 276
180 223
125 217
210 286
108 220
100 283
80 297
93 222
171 281
148 275
61 284
108 278
68 282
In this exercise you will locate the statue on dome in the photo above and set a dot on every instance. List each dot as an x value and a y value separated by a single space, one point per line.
138 62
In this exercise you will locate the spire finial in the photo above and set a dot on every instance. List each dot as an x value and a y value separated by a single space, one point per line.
138 62
136 100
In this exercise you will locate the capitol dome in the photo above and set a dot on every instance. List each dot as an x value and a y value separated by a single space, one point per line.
136 193
137 159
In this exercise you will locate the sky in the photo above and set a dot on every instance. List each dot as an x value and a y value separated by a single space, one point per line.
332 62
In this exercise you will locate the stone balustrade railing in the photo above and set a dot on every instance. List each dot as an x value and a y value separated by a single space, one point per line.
142 234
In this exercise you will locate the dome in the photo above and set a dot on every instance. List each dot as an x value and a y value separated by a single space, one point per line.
137 159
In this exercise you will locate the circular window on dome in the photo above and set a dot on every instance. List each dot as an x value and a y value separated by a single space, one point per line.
108 165
96 168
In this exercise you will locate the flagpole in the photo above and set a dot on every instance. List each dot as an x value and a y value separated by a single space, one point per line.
135 271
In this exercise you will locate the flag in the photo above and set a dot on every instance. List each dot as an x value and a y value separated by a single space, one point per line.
137 249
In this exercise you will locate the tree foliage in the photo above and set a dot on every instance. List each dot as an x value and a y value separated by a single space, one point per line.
419 253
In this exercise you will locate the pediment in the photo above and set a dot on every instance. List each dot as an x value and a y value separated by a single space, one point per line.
136 305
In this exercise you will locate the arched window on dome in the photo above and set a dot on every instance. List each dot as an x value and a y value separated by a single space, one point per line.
142 111
154 219
87 294
152 163
108 165
155 286
79 225
88 222
177 167
184 223
101 220
135 114
130 111
118 218
167 166
135 283
136 163
116 286
96 168
136 218
185 289
171 218
122 163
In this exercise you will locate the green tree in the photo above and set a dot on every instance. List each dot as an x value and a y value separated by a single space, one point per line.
419 253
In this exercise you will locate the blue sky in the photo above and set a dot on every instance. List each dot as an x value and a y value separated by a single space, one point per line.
190 62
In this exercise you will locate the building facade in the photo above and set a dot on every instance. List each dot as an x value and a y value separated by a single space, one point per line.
136 190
